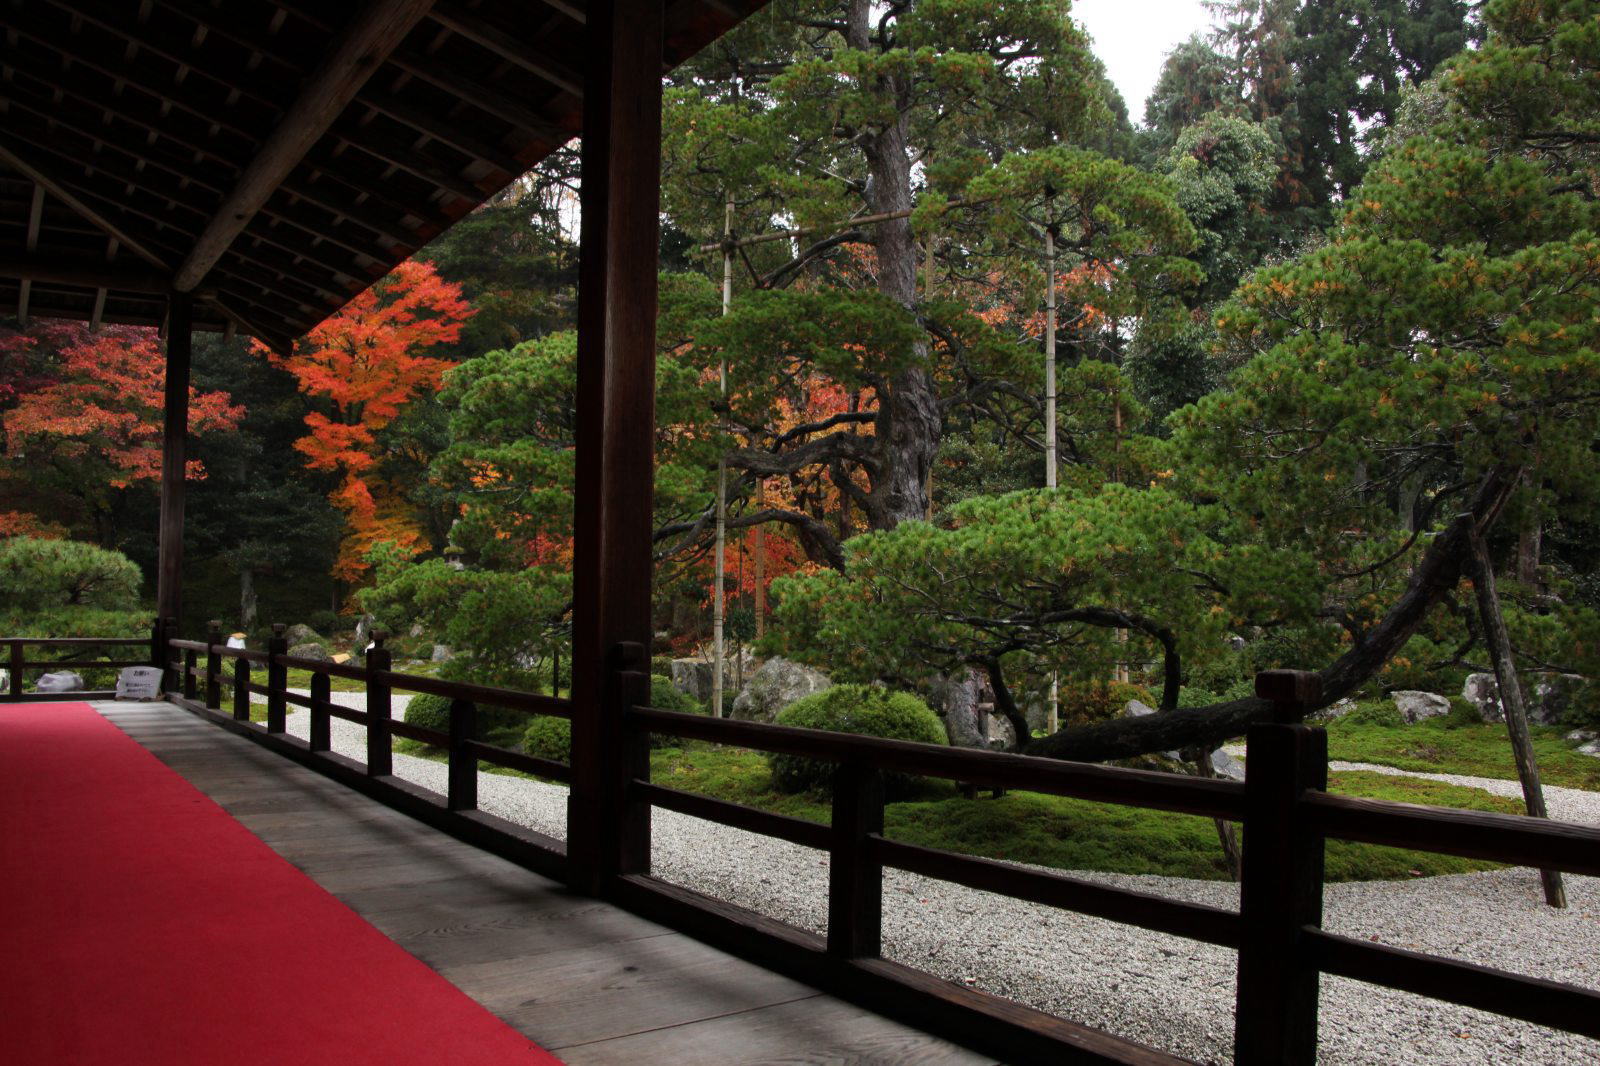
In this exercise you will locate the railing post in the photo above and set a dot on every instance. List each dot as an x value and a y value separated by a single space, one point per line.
380 743
463 776
16 669
241 690
321 735
158 644
632 689
167 661
1280 892
277 679
855 877
214 665
191 686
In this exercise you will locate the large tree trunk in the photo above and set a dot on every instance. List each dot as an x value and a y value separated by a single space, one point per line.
1435 576
909 425
1498 641
247 600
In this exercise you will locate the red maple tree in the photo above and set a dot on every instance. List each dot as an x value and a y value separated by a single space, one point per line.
365 364
88 421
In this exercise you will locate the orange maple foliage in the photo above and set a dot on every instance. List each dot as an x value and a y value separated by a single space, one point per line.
366 363
105 403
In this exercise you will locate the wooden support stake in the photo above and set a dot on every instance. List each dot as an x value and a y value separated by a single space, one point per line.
380 742
277 679
214 665
855 879
241 690
1280 893
321 734
463 776
1498 642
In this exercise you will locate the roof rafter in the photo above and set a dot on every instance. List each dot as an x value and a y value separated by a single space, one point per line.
358 53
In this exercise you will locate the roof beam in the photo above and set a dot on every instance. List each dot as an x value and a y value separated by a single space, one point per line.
354 58
20 163
87 271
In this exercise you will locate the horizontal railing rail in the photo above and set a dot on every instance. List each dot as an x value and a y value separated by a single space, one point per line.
1284 805
14 660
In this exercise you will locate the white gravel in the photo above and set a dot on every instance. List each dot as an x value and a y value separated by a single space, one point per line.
1172 993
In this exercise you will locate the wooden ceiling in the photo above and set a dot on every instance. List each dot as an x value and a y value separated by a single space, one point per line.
274 157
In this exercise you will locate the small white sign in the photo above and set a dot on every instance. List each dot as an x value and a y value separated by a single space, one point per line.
139 683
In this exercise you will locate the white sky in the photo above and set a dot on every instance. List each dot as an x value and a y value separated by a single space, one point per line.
1133 37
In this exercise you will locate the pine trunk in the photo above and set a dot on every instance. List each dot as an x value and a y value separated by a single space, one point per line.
1498 641
909 423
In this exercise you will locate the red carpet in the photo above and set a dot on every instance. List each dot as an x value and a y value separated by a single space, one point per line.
139 923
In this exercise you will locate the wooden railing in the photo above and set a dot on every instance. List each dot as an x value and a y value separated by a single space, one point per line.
18 664
1286 811
198 682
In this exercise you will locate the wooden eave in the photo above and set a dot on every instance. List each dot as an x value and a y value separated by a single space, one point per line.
173 145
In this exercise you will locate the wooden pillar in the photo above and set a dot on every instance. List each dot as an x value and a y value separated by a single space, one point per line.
174 457
620 198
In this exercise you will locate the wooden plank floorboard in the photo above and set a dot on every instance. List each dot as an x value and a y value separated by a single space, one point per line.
596 984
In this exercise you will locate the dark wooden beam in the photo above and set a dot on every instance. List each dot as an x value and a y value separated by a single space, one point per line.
616 415
87 271
22 164
358 53
507 45
30 243
174 457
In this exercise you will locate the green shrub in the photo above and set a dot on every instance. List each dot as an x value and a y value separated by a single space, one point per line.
1086 702
549 738
38 574
1463 712
860 709
664 695
661 666
433 712
1377 712
429 712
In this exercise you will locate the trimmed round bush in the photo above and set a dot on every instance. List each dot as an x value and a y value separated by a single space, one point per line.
549 738
666 696
429 712
861 709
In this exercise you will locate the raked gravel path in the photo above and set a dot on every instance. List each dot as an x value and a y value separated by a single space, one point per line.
1172 993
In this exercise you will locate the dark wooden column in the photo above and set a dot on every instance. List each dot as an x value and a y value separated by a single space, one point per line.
174 457
616 414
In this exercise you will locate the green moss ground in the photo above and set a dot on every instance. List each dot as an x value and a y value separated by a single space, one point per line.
1438 745
1076 834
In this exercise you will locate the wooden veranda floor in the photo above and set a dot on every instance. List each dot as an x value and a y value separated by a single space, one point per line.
590 982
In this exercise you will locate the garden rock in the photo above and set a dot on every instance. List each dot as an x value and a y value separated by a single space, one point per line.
440 653
1552 695
312 651
364 630
1137 709
692 675
1225 765
1415 706
300 633
1483 692
60 681
1336 709
777 684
